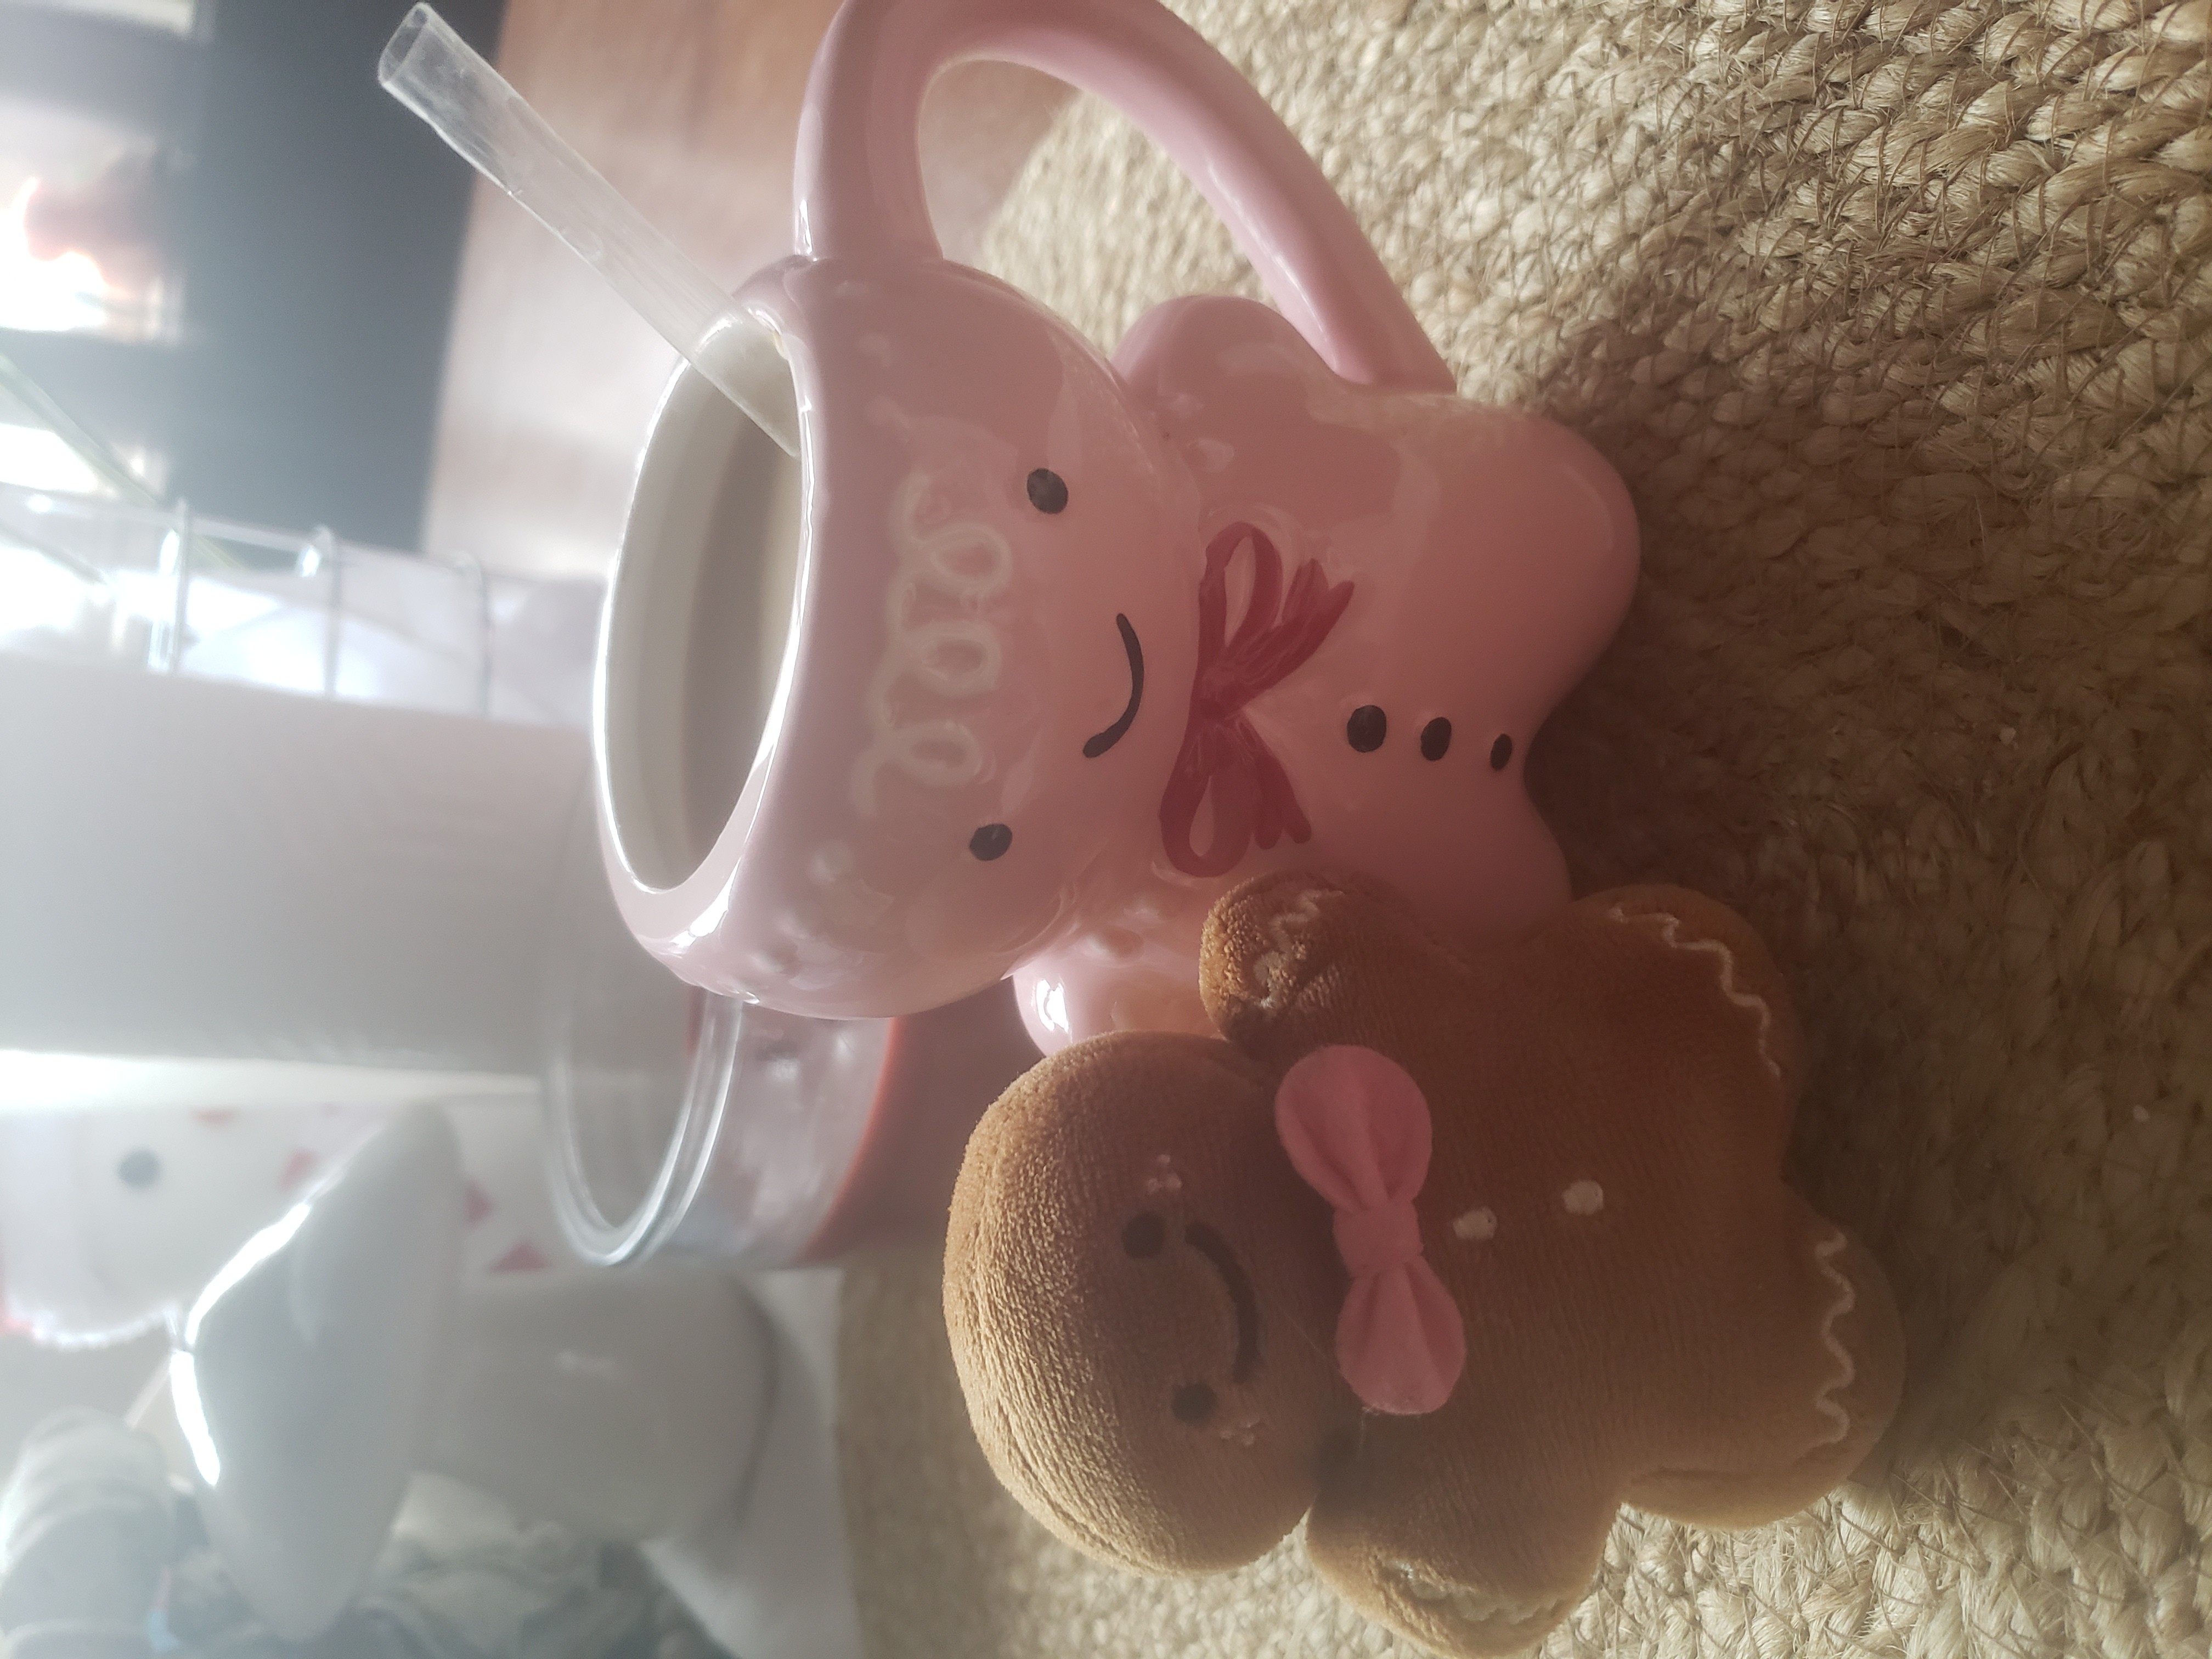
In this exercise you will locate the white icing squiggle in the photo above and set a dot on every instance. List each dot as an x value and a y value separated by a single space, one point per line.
1667 931
1847 1297
954 658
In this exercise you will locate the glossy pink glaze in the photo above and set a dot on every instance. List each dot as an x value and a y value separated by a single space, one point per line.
961 659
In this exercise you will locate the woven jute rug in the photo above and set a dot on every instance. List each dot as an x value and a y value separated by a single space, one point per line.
1898 319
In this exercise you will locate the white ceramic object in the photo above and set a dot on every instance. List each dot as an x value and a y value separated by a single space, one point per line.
111 1220
336 1352
625 1405
223 871
305 1374
772 1577
76 1638
691 652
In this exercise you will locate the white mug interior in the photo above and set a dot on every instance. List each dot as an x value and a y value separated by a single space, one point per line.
698 618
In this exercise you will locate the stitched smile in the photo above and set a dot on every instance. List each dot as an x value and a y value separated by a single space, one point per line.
1113 734
1215 1249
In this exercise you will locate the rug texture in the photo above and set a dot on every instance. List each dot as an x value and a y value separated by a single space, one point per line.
1898 319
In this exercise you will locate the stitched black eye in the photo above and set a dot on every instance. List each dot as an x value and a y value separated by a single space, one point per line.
1500 753
138 1168
1194 1402
1047 490
1366 728
1145 1235
1435 737
991 841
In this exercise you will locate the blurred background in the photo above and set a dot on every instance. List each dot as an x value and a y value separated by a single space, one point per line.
227 268
261 334
228 253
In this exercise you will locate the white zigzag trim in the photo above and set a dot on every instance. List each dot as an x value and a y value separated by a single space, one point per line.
1269 969
1824 1255
1669 930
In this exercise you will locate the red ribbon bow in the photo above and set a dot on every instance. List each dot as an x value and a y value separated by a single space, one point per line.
1357 1129
1253 799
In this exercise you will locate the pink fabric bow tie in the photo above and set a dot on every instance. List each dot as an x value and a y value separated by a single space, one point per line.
1358 1132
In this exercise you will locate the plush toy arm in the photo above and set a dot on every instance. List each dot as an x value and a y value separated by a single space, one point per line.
1466 1566
1284 950
1483 1556
1678 922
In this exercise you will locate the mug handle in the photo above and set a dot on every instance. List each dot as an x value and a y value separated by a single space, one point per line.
859 185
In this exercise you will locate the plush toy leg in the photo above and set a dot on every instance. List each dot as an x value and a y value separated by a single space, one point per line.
1448 1608
1794 1444
1481 1548
1473 1548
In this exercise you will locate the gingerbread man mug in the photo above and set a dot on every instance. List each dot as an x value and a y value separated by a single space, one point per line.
1075 644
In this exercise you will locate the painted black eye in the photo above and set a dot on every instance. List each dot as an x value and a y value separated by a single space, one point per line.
991 841
1194 1402
1145 1235
138 1168
1367 728
1047 490
1435 737
1500 753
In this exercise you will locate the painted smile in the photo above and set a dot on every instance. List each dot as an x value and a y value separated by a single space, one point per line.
1113 734
1215 1249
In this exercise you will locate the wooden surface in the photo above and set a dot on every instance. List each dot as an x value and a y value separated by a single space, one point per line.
691 107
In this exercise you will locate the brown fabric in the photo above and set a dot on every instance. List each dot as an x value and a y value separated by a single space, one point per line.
1072 1334
1894 318
1650 1315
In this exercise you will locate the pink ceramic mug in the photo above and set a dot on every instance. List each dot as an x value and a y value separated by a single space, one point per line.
1074 645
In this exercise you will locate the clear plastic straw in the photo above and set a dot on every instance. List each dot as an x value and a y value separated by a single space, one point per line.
434 72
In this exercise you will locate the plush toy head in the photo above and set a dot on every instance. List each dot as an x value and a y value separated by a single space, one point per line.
1455 1254
1198 1427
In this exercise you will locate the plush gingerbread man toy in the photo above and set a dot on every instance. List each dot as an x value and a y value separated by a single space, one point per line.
1453 1255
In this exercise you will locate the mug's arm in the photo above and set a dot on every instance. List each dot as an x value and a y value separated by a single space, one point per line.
859 185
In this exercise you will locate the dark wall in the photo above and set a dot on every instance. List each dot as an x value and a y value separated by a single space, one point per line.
321 234
318 227
140 78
